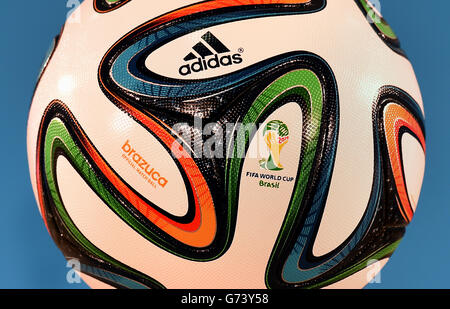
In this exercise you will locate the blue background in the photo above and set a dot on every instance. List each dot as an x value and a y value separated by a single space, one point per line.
28 256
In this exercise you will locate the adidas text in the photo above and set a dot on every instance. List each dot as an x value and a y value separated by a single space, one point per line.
213 62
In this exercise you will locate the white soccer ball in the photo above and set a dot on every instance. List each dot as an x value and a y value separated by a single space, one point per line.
227 143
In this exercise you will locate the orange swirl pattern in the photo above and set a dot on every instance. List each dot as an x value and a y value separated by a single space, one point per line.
200 232
209 6
214 5
395 118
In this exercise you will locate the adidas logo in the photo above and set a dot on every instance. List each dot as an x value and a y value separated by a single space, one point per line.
208 56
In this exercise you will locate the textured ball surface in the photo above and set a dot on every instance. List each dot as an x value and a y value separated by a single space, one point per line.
227 143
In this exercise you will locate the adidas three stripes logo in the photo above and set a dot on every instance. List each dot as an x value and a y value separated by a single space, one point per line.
209 53
203 51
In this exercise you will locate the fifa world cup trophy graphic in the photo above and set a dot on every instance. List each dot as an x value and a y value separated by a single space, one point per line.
276 136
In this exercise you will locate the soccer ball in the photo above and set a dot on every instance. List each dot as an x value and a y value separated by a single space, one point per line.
227 143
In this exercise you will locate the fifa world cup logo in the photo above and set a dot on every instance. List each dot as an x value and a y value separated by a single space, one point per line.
276 136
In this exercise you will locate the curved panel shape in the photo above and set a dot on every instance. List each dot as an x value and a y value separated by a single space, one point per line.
54 142
195 231
313 88
398 121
